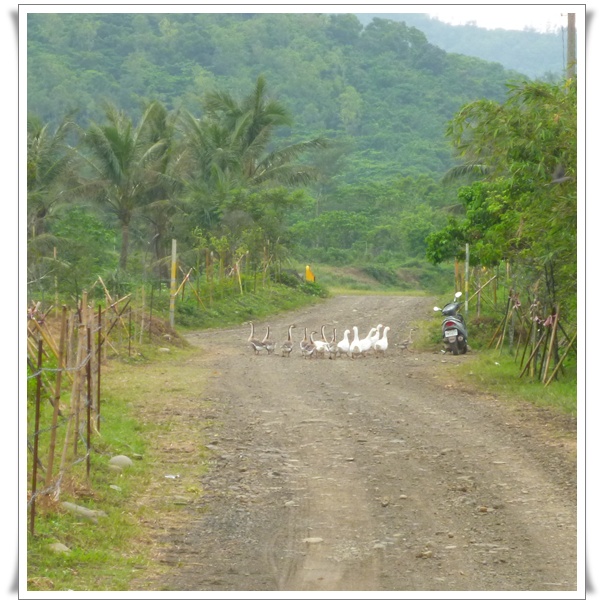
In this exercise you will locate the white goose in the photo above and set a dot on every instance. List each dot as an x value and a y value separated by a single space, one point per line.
381 345
376 336
321 345
256 344
355 345
288 345
343 346
365 343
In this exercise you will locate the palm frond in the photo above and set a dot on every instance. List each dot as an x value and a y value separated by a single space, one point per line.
467 170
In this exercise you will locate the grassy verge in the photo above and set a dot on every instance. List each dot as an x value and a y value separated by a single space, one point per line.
148 417
100 556
153 412
497 372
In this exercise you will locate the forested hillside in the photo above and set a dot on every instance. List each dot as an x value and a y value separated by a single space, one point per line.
534 54
259 140
383 89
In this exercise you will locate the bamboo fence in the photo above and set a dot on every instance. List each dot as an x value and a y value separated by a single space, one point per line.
538 339
65 357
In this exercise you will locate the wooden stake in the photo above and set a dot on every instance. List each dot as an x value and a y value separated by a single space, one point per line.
57 397
551 343
34 475
505 323
528 340
77 382
496 332
551 377
173 283
98 377
88 397
533 353
140 340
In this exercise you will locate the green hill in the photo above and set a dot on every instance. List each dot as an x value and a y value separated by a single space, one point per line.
382 89
535 54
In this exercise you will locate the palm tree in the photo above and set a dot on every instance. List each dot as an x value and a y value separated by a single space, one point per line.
49 162
163 203
251 125
124 165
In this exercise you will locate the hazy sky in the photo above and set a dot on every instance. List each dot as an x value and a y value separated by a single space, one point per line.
540 17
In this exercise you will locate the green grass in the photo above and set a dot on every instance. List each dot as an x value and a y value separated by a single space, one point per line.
498 374
101 556
238 308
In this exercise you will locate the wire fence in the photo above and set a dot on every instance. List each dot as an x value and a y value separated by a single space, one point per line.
66 352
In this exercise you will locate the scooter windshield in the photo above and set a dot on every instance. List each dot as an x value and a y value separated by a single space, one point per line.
451 308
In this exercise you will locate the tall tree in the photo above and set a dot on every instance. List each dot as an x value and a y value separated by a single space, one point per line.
525 207
124 163
49 163
252 124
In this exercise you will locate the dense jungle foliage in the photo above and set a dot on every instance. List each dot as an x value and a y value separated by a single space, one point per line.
535 54
266 141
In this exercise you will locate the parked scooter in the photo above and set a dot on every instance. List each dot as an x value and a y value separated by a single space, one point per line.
454 331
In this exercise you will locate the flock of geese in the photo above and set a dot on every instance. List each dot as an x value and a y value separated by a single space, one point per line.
375 342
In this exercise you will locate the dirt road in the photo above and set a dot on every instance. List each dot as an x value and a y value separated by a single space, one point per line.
372 474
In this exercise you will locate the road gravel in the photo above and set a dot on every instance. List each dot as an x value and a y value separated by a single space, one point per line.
374 474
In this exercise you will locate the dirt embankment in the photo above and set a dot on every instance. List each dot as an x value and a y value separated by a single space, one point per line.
372 474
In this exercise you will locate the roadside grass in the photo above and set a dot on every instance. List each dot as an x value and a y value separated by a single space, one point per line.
497 372
101 556
235 310
152 410
144 415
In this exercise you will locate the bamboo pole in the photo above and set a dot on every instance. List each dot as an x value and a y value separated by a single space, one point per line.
88 397
518 347
78 378
34 475
57 396
528 340
551 377
98 378
467 283
46 336
140 340
496 332
533 353
551 344
186 278
198 298
118 318
239 277
173 283
505 322
539 371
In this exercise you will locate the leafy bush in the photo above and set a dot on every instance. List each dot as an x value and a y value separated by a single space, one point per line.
382 274
314 289
287 277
